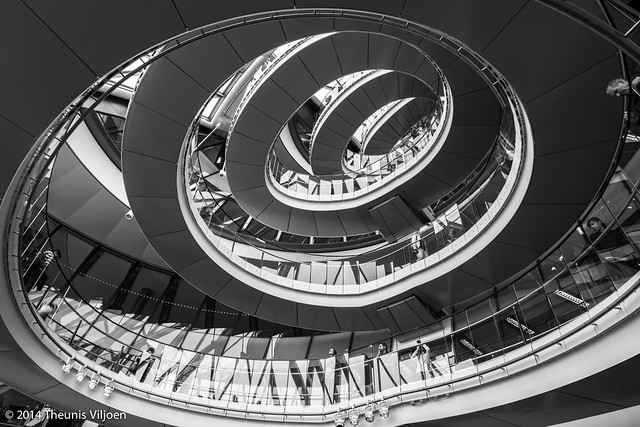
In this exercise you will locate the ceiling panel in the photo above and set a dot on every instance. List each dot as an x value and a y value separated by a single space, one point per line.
321 61
375 91
170 92
467 20
352 319
523 50
257 125
382 51
246 301
91 38
303 223
209 61
40 64
328 224
298 28
249 45
351 50
171 246
409 59
196 14
564 126
476 108
147 176
277 310
471 141
295 78
147 125
255 199
244 176
276 214
555 180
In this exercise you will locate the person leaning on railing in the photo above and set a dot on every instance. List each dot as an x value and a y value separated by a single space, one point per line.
622 87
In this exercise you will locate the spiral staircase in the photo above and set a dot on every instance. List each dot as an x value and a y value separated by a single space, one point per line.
201 199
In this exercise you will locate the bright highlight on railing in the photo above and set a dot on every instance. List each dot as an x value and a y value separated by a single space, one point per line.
531 304
593 266
340 87
363 173
361 134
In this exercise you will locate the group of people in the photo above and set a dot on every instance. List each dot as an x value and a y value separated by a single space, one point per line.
421 353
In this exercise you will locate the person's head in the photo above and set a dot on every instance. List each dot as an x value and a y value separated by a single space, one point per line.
382 347
332 352
418 342
595 224
618 87
151 350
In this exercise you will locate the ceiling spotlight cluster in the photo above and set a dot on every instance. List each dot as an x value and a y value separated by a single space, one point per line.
353 415
94 377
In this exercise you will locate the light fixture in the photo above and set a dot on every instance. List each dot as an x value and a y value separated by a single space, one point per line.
108 388
471 347
368 413
354 417
569 297
66 368
519 325
340 418
82 372
383 409
94 381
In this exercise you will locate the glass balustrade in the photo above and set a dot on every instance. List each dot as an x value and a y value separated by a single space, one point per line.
590 265
361 134
448 232
365 174
339 88
593 266
276 57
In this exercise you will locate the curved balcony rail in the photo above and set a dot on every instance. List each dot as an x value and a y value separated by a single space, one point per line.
275 58
589 273
585 277
403 151
363 176
333 89
355 274
220 207
340 87
362 133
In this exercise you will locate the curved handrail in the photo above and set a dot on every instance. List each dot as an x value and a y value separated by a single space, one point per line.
255 81
333 100
365 179
606 260
359 277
